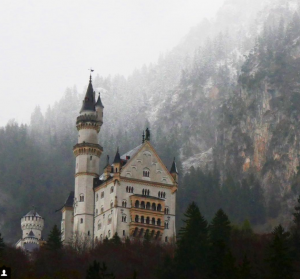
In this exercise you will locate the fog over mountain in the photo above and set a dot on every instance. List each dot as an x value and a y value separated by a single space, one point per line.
224 102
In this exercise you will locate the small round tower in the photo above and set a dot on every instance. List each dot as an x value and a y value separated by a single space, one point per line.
32 225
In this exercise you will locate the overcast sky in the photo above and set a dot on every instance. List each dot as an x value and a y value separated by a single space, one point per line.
47 46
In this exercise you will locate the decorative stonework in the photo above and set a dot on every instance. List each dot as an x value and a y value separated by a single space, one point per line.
87 149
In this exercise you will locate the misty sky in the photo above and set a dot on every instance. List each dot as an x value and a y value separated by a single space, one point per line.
47 46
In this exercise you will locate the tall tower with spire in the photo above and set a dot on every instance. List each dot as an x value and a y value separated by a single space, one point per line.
87 152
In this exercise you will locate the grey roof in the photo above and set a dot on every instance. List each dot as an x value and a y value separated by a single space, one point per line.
89 99
99 103
117 157
32 213
70 200
31 234
174 167
131 153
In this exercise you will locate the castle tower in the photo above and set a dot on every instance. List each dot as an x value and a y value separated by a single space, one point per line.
32 225
87 152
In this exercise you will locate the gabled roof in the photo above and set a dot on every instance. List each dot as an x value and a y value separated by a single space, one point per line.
131 153
89 99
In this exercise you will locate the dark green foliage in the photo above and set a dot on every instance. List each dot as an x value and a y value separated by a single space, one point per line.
96 271
2 246
116 240
279 255
147 238
221 261
192 243
168 270
245 269
54 239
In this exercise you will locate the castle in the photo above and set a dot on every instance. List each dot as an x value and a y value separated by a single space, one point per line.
134 195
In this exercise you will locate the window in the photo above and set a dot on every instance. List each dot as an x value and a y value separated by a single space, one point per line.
81 198
153 206
102 195
136 218
158 222
112 189
148 205
137 204
102 209
124 218
166 239
124 203
96 211
99 226
111 204
146 173
127 189
153 221
97 197
159 207
88 232
142 219
159 194
91 158
123 232
81 221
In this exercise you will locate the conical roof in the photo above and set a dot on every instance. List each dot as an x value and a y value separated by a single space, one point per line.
32 213
89 100
174 168
117 157
99 102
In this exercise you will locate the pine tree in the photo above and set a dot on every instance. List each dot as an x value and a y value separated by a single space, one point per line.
245 269
54 239
96 271
116 240
221 261
193 243
279 259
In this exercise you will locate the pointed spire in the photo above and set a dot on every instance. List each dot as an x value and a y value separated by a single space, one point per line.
174 167
143 137
99 103
117 157
89 100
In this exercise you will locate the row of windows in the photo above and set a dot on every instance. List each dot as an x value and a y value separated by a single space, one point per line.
147 220
146 173
162 195
147 205
124 220
146 192
129 189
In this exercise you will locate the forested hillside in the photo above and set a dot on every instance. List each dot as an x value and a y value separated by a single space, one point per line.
224 102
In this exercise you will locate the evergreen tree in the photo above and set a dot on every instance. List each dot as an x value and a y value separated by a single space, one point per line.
221 261
54 239
245 269
167 270
193 243
147 238
96 271
116 240
279 258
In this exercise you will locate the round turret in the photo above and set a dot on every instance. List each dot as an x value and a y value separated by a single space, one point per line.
32 225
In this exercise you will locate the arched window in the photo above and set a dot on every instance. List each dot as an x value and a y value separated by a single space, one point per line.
153 206
142 219
81 198
137 203
143 192
164 195
102 209
99 225
159 194
142 204
127 189
158 222
131 190
112 189
159 207
148 220
148 192
148 205
97 197
146 172
136 218
81 221
124 218
153 221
